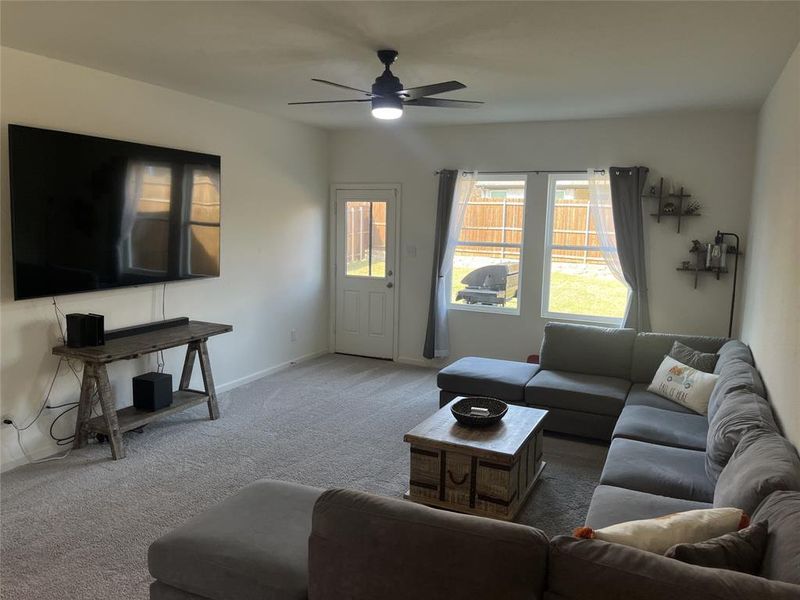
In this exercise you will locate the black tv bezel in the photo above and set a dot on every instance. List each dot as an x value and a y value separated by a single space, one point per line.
199 155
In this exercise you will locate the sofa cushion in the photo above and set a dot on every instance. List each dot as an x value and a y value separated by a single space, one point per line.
649 349
664 427
781 511
763 462
577 392
660 470
683 384
475 376
251 546
733 350
740 412
592 569
741 550
735 375
587 349
366 547
659 534
611 505
702 361
639 396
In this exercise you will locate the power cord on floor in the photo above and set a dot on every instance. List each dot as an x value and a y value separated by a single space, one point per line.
68 406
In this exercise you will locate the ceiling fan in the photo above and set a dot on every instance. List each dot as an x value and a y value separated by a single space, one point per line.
388 96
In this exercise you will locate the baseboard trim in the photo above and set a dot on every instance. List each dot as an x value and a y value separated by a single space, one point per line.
419 362
46 450
269 371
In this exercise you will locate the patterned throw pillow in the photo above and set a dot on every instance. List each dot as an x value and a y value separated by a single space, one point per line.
683 384
702 361
741 550
660 534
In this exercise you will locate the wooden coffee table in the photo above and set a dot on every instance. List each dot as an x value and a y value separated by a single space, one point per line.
480 471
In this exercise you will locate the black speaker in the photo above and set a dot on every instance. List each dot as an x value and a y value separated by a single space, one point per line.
152 391
85 330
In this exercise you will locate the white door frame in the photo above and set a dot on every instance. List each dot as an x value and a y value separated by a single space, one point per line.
336 187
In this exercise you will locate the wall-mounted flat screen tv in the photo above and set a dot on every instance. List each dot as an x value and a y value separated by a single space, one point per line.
91 213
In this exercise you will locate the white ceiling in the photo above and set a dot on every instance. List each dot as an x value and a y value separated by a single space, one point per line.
526 60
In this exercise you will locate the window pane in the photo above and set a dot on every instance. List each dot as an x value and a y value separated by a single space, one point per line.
204 250
485 275
365 239
205 198
149 244
585 286
155 191
378 254
495 213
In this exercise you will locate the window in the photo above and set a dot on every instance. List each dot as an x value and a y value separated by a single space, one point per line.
365 250
578 282
487 260
148 242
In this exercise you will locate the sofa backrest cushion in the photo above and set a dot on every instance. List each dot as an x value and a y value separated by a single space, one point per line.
781 561
587 349
736 374
740 412
733 350
364 547
764 462
579 569
649 349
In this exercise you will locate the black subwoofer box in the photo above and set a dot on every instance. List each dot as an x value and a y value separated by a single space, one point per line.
152 391
85 330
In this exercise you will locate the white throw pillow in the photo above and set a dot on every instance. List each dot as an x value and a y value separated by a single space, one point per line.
660 534
683 384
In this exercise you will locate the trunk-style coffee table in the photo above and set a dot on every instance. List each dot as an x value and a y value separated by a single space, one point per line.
480 471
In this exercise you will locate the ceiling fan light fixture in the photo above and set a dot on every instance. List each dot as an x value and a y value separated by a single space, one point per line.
387 108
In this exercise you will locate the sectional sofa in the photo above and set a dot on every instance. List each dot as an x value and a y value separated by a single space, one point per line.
281 541
277 540
586 375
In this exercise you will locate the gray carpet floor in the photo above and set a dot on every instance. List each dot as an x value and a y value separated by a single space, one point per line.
80 527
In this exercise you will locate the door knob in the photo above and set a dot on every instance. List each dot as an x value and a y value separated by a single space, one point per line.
390 285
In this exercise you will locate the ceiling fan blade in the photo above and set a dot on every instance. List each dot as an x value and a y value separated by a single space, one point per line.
443 103
344 87
432 89
331 101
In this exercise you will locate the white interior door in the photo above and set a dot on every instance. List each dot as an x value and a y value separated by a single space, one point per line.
365 268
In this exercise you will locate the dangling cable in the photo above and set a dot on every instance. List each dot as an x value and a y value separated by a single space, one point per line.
160 360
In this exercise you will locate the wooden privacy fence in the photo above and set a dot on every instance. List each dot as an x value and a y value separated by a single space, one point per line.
359 216
500 221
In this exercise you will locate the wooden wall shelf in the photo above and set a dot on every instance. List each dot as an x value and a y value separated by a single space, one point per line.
714 270
662 197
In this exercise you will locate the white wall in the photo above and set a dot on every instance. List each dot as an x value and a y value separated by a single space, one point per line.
770 323
273 271
709 152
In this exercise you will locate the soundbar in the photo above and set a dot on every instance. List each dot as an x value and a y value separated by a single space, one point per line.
146 328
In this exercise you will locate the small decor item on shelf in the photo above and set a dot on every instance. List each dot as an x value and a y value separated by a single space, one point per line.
669 208
692 208
686 264
479 411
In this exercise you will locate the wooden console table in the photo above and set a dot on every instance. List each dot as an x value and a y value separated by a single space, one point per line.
113 423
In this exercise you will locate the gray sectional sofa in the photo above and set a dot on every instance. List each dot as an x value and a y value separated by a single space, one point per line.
280 541
585 377
276 540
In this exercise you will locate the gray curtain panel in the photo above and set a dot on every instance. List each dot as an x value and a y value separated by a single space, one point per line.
444 206
627 184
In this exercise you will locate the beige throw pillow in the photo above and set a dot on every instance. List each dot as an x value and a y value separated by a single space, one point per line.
660 534
683 384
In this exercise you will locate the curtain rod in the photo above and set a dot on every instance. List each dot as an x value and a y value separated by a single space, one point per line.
537 172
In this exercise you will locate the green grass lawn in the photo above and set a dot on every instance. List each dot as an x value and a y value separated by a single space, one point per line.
570 293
